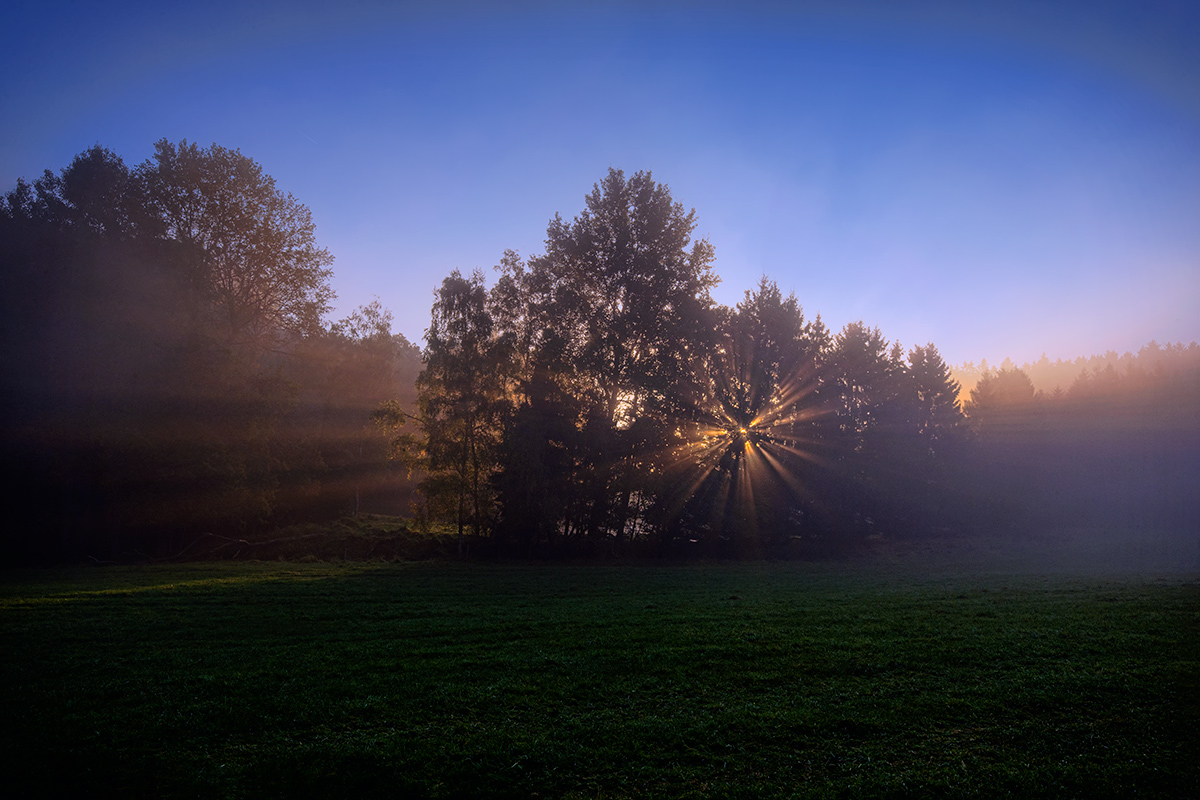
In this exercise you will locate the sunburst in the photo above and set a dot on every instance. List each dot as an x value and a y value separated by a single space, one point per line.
741 455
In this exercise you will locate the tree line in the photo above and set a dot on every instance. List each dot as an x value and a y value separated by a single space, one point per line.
167 366
597 400
1060 375
1119 447
169 369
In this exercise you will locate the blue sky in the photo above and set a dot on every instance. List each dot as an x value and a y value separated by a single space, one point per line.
1002 181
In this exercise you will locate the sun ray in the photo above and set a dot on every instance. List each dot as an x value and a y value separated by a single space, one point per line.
742 440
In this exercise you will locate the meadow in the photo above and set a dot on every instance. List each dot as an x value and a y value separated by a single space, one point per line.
868 677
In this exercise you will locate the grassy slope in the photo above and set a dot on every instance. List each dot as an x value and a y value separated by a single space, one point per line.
745 680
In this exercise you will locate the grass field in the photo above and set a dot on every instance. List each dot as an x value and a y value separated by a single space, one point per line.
871 678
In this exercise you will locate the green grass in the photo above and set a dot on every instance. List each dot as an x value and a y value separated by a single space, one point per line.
466 680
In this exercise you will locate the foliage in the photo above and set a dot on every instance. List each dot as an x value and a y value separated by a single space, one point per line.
462 392
605 323
750 426
165 370
999 395
266 274
1151 360
938 415
629 413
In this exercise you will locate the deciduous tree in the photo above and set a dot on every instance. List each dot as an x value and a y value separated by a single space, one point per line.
462 393
267 275
621 295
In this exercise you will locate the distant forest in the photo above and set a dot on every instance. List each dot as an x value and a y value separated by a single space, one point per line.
1082 374
169 370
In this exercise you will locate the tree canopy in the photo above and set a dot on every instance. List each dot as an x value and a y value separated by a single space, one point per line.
262 263
169 369
628 410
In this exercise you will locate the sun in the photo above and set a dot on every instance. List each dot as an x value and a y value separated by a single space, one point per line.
741 457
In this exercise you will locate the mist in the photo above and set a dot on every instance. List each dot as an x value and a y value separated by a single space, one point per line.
171 371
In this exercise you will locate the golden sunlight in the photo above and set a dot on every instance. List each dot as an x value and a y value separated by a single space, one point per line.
737 454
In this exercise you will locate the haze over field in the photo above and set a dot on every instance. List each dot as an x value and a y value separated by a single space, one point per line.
1000 182
873 474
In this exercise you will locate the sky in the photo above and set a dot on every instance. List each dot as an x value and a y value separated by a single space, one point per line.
1003 180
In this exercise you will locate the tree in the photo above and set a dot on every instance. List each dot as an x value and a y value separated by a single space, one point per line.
862 373
96 193
355 390
746 429
137 313
462 394
539 454
873 401
628 272
939 418
266 273
622 296
916 444
1000 401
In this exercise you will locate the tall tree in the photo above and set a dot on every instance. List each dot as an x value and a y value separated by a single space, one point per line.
267 274
622 295
869 398
748 426
129 300
538 484
462 393
861 372
939 418
356 390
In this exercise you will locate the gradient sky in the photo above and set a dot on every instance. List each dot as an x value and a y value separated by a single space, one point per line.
1000 182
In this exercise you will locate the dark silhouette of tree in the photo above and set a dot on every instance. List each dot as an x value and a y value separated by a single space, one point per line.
861 373
267 274
1117 448
746 432
865 390
165 369
639 409
98 328
620 298
541 452
463 393
348 458
938 416
919 445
